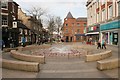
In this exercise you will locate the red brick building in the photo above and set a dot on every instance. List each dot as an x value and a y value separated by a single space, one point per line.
74 29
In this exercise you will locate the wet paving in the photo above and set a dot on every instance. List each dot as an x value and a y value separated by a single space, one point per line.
62 62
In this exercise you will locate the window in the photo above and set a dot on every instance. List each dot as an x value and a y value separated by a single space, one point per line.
85 24
29 32
103 2
85 30
4 20
34 27
21 31
66 24
72 24
78 24
13 7
78 30
110 12
25 32
26 39
66 30
118 8
103 15
98 17
4 4
78 38
20 39
97 3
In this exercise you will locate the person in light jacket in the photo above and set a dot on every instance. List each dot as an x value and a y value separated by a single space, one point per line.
103 44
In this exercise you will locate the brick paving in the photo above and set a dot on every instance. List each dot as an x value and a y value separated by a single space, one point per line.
62 67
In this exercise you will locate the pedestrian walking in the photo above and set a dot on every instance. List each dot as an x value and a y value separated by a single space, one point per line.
103 44
23 41
98 45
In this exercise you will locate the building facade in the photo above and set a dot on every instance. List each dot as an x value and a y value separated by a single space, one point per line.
9 10
74 29
26 28
105 15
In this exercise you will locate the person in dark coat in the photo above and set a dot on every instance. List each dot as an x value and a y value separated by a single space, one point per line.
98 45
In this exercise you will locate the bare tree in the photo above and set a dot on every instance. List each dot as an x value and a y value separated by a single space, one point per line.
51 26
37 12
58 22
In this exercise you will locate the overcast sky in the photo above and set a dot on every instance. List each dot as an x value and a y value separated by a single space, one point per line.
57 8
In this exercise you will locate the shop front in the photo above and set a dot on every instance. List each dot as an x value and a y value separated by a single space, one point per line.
93 33
80 37
109 32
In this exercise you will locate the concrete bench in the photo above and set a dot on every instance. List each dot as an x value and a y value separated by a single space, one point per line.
25 57
9 49
108 64
20 65
97 57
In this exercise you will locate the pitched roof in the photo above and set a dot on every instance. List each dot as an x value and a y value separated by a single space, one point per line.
81 19
21 25
69 15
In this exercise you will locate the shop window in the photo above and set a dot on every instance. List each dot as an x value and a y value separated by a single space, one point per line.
77 38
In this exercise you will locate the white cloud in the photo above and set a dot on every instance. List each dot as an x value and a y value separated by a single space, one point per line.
57 7
51 0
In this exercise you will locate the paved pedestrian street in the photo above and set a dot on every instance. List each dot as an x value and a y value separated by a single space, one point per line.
62 66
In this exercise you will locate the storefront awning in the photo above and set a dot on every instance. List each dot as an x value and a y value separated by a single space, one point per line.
92 33
79 34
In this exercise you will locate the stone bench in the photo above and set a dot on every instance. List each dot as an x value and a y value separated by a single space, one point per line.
20 65
97 57
9 49
108 64
29 58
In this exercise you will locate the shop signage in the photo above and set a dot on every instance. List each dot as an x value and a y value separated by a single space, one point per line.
14 24
93 28
111 25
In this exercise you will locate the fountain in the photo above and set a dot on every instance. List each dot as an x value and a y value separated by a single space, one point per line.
61 50
58 50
